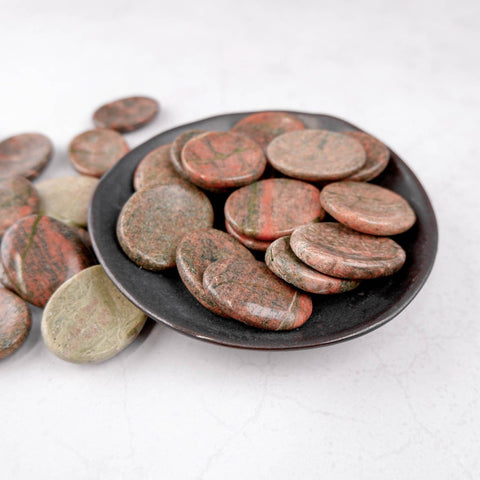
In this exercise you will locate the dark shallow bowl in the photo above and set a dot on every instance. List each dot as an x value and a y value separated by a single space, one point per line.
335 318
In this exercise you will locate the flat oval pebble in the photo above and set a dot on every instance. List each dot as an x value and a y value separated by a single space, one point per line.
88 320
38 254
368 208
4 280
18 198
249 242
177 148
67 198
96 151
281 260
218 160
263 127
156 169
153 221
336 250
270 209
126 114
26 155
15 322
199 249
377 157
316 155
250 293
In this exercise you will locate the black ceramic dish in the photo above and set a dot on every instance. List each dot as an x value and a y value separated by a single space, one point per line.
335 318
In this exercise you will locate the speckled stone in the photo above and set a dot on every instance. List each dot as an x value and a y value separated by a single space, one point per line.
250 293
153 221
200 248
270 209
96 151
126 114
67 198
377 157
4 280
219 160
39 253
368 208
316 155
177 147
88 320
249 242
281 260
156 169
263 127
18 198
87 241
15 322
336 250
26 155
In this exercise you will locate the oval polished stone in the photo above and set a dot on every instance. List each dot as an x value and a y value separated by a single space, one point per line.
197 250
270 209
336 250
4 280
377 157
126 114
38 254
218 160
281 260
67 198
263 127
250 293
15 322
95 151
249 242
177 148
153 221
88 320
18 198
368 208
26 155
316 155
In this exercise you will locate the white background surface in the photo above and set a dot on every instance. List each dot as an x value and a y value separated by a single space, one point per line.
401 402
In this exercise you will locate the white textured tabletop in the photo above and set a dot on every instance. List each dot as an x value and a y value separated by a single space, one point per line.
401 402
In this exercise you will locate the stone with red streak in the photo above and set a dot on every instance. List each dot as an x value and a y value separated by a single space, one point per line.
177 148
249 242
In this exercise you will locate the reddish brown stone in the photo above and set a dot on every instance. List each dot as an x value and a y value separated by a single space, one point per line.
219 160
263 127
96 151
25 155
368 208
269 209
336 250
4 280
153 221
250 293
281 260
15 322
39 253
316 155
18 198
177 147
249 242
197 250
126 114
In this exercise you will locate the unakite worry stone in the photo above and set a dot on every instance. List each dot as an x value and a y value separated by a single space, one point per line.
177 147
249 242
88 320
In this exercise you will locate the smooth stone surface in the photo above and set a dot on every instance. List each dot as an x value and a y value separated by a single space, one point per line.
316 155
250 293
263 127
15 322
26 155
156 169
67 198
199 249
95 151
281 260
38 254
177 147
249 242
336 250
377 157
87 241
269 209
368 208
4 280
152 223
218 160
18 198
88 320
126 114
